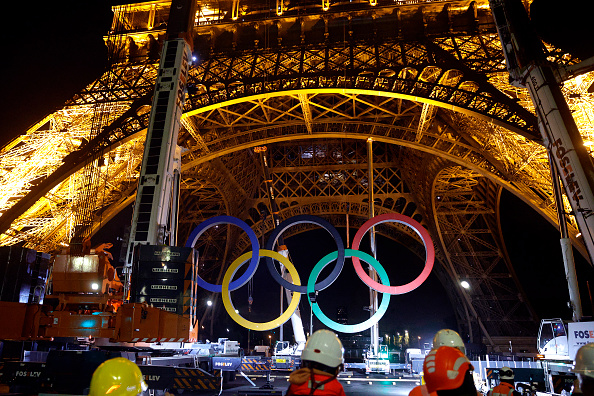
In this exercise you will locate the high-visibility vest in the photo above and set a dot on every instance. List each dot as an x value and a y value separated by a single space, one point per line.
503 389
322 385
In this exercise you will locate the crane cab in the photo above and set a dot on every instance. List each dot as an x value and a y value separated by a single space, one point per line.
552 340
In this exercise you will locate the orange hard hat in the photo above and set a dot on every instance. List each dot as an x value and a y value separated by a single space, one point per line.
445 368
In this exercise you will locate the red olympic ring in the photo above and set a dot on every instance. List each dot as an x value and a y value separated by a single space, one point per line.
421 232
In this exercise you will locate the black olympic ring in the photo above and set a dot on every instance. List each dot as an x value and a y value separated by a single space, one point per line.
299 219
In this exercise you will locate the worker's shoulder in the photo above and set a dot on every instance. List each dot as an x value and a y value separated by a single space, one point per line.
421 390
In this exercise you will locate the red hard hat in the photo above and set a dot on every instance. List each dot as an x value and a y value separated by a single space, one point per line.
445 368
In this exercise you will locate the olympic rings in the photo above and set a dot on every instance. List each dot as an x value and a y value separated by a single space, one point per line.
227 296
429 252
255 248
338 326
312 287
299 219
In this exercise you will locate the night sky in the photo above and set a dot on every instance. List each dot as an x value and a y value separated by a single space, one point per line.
52 50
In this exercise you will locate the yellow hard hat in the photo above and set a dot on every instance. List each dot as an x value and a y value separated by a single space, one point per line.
117 376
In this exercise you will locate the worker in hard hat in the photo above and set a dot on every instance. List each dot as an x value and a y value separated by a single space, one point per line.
117 376
444 337
448 372
447 337
583 366
321 361
506 384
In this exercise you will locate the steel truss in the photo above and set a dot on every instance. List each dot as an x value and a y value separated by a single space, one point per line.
466 213
427 82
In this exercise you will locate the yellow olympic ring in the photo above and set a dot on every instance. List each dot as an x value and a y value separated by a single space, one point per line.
226 296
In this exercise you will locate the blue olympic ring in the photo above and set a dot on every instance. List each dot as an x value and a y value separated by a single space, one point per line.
255 260
300 219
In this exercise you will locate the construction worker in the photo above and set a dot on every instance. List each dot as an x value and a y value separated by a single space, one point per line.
321 361
583 366
444 337
506 384
447 337
448 372
117 376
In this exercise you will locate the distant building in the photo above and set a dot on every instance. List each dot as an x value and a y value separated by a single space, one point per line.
355 346
342 315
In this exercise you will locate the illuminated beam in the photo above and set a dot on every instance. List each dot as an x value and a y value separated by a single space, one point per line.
306 110
425 120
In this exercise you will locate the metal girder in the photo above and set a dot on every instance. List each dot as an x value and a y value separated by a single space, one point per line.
325 169
306 112
473 247
392 67
122 82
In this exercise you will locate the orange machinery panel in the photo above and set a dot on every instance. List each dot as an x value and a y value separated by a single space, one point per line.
19 321
72 324
132 323
90 273
141 323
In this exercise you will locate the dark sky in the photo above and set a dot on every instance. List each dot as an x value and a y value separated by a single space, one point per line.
53 49
567 25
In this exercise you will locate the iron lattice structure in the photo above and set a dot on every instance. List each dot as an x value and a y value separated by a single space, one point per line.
426 81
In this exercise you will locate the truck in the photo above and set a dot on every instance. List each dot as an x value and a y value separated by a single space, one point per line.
558 343
378 362
414 358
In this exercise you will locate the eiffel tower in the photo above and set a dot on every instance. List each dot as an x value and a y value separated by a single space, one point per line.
316 83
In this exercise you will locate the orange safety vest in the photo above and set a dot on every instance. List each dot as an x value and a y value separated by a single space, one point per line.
320 387
503 389
421 390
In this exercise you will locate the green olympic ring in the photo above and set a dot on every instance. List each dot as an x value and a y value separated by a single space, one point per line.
313 277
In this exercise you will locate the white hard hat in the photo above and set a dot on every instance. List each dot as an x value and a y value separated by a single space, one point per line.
447 337
506 373
584 361
323 347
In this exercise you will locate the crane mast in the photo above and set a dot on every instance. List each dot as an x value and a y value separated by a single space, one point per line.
154 221
529 68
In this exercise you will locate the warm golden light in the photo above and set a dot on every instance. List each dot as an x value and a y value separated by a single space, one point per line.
235 10
49 223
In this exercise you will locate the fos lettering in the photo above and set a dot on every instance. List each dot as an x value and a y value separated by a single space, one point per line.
584 334
568 175
28 374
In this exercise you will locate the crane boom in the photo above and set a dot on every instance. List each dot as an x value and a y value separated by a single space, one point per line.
529 68
154 221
